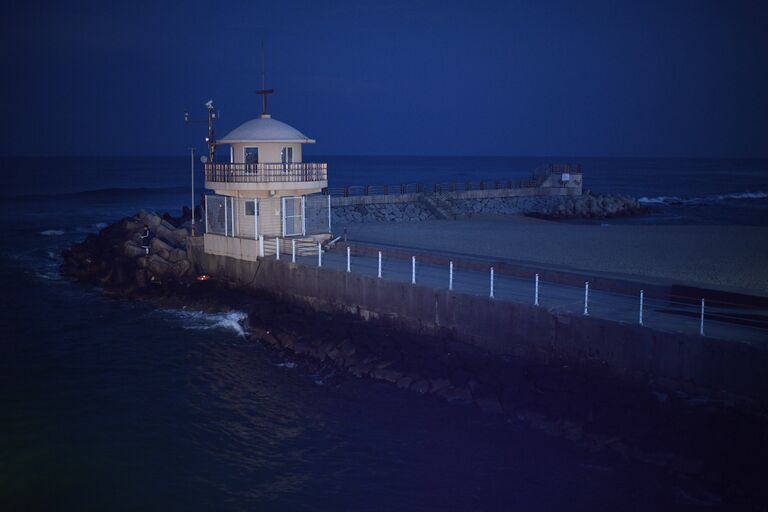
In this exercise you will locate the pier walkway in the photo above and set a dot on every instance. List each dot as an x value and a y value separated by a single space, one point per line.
746 324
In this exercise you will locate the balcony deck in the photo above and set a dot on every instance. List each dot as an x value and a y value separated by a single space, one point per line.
304 176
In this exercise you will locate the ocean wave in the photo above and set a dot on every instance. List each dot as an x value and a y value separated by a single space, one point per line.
709 199
52 275
744 195
52 232
104 193
98 226
235 321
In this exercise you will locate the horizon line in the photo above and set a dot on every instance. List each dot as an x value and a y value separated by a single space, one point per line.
379 155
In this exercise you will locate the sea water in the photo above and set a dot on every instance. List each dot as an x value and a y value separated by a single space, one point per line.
107 403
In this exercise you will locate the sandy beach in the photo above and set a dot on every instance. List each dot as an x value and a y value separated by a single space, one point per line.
724 257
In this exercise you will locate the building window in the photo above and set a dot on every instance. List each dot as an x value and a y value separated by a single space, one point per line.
251 155
286 155
251 208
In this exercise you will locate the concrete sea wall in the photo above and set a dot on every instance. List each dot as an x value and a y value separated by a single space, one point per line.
337 201
729 369
547 201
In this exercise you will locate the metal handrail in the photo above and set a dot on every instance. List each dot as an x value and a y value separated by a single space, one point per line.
266 172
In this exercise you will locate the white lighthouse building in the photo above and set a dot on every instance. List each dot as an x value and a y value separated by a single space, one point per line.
265 198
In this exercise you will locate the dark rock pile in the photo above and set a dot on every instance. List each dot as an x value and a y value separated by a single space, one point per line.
381 212
114 258
592 206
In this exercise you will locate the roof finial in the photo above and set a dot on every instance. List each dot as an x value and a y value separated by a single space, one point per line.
264 91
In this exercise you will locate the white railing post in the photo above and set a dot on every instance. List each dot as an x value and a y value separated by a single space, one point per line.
379 274
586 298
206 213
226 218
319 255
349 257
303 216
641 307
261 247
450 276
293 251
413 269
536 292
277 248
232 213
491 282
701 323
329 213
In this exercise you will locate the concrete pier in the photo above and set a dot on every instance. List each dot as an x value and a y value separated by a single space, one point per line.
725 369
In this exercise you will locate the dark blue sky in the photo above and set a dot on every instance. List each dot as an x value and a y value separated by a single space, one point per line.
544 78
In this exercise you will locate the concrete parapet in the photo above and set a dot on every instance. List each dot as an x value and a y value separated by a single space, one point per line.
337 201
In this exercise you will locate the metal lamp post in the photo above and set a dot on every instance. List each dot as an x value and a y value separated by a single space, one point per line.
192 175
211 141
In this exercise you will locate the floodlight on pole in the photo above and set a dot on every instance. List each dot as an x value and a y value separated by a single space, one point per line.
192 174
210 140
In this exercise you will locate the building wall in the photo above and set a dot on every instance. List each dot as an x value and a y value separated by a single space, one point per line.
269 221
244 224
269 152
269 218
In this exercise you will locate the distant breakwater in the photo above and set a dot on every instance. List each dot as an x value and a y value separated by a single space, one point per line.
421 207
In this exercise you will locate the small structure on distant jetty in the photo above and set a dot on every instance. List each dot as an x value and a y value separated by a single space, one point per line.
265 198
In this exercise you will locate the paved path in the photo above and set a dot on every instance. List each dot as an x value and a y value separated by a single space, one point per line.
723 257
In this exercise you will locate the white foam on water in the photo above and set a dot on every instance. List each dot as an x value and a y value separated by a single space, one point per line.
662 200
235 321
744 195
288 365
97 226
52 232
676 200
51 275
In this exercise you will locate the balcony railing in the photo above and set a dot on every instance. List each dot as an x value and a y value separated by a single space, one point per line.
266 173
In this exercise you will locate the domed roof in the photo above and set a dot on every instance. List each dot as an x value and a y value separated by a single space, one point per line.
265 129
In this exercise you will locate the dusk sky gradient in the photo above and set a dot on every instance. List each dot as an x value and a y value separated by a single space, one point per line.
549 78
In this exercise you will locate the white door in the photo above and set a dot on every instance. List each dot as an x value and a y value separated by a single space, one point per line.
293 216
252 210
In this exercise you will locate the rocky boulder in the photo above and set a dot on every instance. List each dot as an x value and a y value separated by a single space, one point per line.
115 259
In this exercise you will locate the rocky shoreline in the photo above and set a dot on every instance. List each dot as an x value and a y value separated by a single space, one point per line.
431 207
692 439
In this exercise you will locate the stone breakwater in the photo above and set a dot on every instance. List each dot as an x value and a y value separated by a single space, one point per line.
115 259
430 207
689 438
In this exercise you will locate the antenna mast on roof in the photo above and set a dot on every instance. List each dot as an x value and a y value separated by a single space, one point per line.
263 91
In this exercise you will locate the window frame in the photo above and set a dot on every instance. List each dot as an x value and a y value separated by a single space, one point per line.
284 152
245 154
